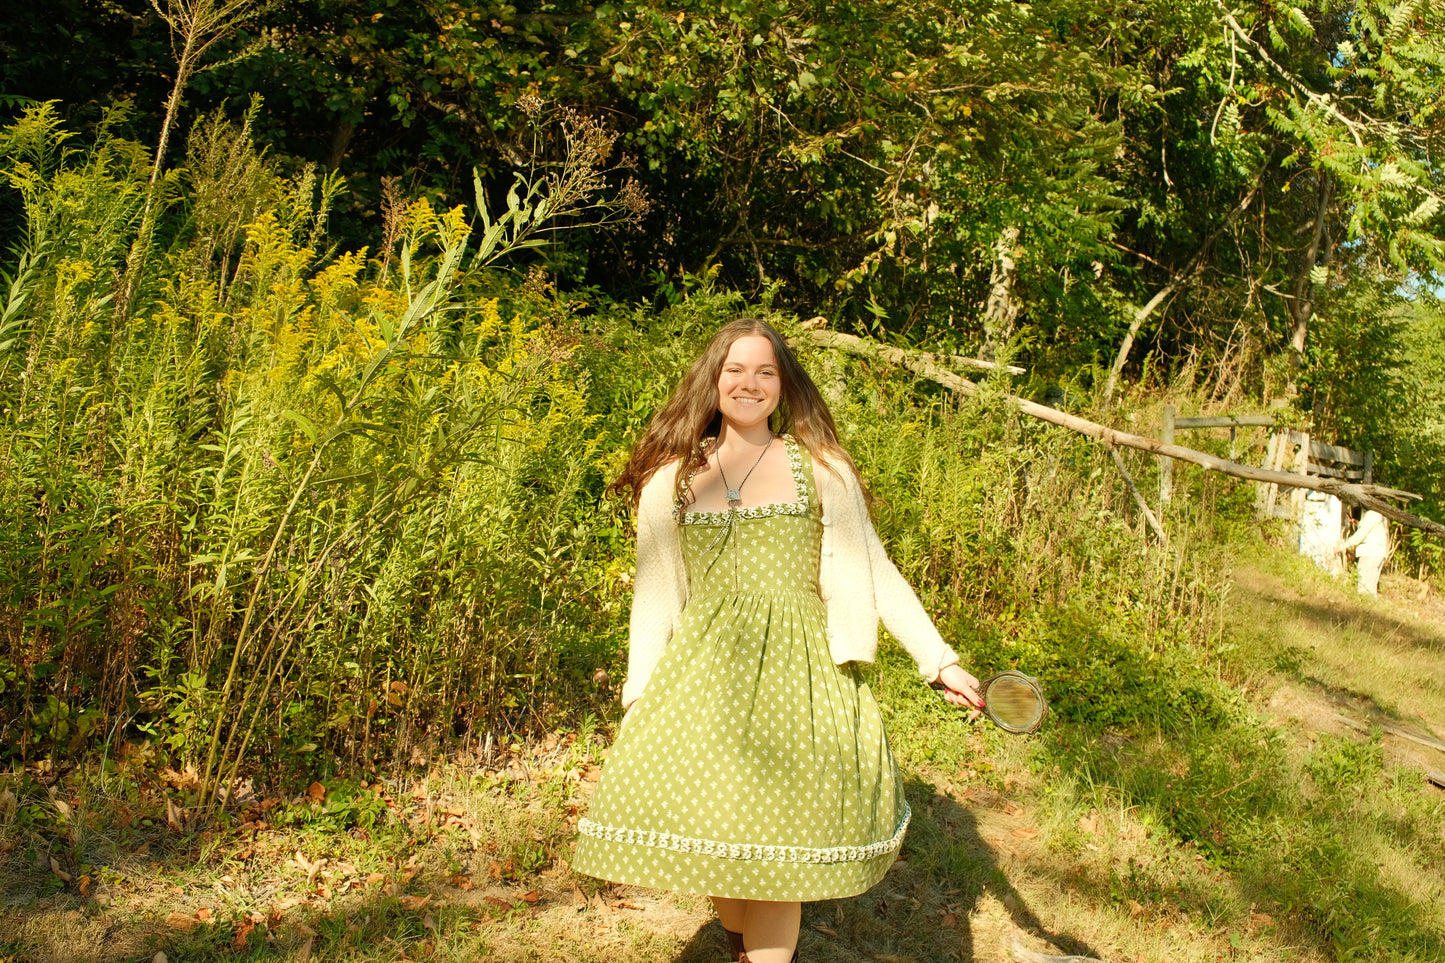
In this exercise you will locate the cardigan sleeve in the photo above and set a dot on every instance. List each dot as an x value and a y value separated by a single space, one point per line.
902 614
660 585
870 583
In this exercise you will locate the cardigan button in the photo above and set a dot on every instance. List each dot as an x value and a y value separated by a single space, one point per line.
825 520
827 550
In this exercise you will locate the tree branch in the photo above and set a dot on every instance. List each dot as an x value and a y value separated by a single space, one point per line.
1368 496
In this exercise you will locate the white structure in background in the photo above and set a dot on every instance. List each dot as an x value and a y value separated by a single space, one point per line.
1319 531
1371 543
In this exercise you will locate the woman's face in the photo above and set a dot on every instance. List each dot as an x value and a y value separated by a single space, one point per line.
749 386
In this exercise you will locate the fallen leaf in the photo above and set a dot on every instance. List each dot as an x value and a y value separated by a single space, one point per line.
175 818
55 868
825 930
62 806
414 902
531 896
462 882
243 933
1026 833
429 923
498 902
181 921
1012 809
1135 909
305 930
373 878
159 958
203 914
304 954
950 920
84 885
316 792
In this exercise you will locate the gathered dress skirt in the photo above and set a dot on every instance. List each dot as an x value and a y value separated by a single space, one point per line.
753 766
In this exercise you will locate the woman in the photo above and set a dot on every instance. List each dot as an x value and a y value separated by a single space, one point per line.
752 765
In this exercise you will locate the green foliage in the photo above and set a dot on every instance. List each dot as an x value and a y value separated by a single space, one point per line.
300 498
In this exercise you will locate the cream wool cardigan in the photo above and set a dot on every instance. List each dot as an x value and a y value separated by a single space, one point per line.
859 585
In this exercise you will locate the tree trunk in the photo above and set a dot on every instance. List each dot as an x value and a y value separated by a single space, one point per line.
1302 306
1000 309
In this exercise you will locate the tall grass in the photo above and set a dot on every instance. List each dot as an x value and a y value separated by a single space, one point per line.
300 504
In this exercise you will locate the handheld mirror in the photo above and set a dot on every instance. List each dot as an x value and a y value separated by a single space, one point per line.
1012 701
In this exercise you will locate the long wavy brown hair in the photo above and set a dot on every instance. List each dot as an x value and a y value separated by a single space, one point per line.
677 431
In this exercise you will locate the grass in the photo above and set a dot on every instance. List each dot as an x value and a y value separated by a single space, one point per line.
1257 833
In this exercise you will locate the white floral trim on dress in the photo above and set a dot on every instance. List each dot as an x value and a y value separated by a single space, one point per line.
748 851
799 507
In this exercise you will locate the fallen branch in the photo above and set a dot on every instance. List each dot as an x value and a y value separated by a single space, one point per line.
1138 498
1367 496
1394 730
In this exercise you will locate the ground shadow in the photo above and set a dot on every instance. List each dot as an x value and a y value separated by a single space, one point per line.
926 907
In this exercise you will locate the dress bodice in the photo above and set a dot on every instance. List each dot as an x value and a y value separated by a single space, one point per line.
761 550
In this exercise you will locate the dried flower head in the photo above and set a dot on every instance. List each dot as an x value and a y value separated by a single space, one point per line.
530 104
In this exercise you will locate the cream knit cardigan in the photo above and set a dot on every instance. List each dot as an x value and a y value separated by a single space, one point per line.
859 585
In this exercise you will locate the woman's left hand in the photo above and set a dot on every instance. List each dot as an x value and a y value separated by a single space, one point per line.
961 688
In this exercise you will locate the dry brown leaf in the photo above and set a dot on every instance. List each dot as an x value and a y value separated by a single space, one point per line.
1012 809
175 818
84 885
304 954
243 933
1135 909
181 921
498 902
316 792
159 958
531 896
62 806
414 902
462 882
305 930
203 914
373 878
55 868
950 920
1026 833
825 930
429 923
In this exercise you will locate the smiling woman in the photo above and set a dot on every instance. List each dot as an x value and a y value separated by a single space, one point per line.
753 766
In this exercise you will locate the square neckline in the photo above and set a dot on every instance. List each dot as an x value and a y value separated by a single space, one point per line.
798 506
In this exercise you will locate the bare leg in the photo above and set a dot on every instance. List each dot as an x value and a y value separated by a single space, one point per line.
770 931
732 913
